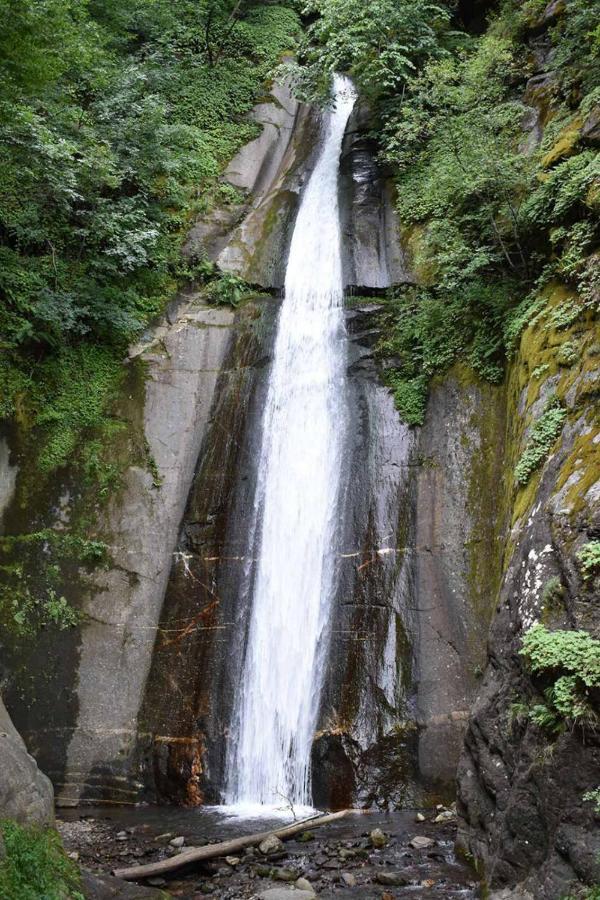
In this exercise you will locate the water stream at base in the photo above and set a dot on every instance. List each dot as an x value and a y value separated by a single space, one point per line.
297 492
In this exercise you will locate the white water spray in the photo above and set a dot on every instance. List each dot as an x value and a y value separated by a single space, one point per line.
296 502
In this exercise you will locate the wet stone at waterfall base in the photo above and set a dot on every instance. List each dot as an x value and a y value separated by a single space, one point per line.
106 839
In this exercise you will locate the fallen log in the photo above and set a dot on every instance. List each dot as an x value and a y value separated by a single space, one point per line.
224 848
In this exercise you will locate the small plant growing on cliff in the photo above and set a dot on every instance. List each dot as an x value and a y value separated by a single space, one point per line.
570 660
542 437
589 559
518 712
540 370
227 290
567 355
410 397
593 797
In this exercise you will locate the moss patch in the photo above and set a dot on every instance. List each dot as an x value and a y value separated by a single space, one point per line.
565 144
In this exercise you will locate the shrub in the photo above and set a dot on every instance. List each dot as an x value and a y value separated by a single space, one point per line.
227 290
567 354
571 661
589 559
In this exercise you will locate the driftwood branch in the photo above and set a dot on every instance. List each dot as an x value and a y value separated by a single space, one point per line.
224 848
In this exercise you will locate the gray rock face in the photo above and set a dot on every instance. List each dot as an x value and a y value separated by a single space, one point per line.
413 606
182 373
195 669
590 130
457 531
26 794
376 699
372 249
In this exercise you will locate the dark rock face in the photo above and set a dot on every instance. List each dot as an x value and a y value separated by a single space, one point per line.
590 130
372 250
520 788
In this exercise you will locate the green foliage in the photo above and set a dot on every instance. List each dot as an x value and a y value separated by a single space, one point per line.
427 329
571 661
115 123
33 568
540 370
36 865
410 397
489 219
593 797
567 354
545 717
518 713
227 290
589 559
541 440
592 894
380 43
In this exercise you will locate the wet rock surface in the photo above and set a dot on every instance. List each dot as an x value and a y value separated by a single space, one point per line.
336 861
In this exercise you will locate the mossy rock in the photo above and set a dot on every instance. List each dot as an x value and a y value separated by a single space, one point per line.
566 143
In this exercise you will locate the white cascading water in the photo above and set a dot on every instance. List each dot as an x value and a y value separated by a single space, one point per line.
296 503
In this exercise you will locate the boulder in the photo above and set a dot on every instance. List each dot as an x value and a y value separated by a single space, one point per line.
270 845
26 794
391 879
421 843
377 838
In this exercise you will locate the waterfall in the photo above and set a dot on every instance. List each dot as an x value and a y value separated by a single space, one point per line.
296 502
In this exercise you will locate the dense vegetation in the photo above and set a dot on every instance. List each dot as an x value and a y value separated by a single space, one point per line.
490 215
116 119
36 865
